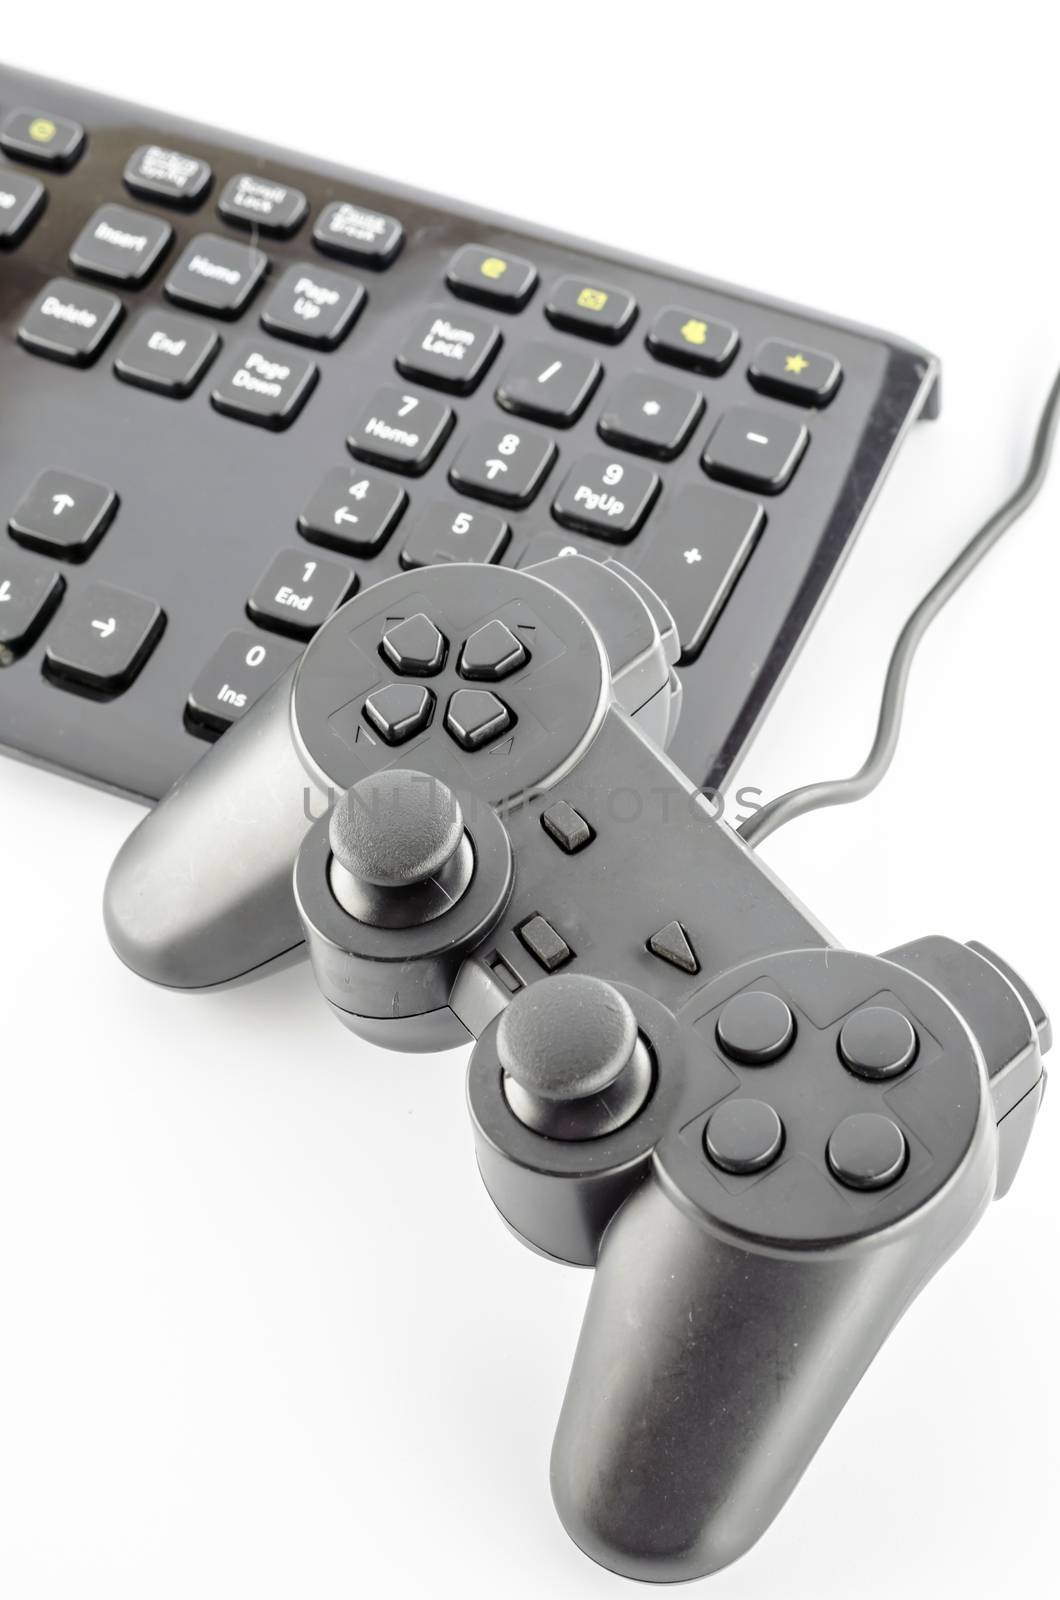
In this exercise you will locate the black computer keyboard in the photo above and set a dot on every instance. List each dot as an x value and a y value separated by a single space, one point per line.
236 384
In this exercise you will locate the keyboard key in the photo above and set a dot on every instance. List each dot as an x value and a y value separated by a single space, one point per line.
492 277
593 309
651 416
296 594
63 514
103 638
264 385
40 137
234 679
29 594
215 274
755 449
401 431
547 546
693 339
354 511
167 177
70 322
451 354
607 498
354 233
695 555
447 532
166 353
268 207
506 465
121 246
809 377
313 306
549 383
21 203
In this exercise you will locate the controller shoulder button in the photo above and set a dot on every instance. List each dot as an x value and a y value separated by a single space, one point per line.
492 652
414 646
672 944
399 710
867 1151
878 1042
567 827
475 716
755 1027
743 1136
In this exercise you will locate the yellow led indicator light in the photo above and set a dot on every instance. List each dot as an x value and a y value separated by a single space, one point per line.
42 130
592 299
796 364
694 331
493 267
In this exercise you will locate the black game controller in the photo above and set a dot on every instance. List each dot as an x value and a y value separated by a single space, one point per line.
764 1143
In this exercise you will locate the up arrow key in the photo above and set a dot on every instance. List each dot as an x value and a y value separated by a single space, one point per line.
105 629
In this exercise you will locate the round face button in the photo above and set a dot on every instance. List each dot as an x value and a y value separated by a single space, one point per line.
878 1042
743 1136
755 1027
867 1151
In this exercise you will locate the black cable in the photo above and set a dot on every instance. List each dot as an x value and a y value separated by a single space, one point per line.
841 791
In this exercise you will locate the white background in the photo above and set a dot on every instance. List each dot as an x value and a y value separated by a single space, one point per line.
261 1332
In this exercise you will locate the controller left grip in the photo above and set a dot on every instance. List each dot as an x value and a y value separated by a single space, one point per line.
202 892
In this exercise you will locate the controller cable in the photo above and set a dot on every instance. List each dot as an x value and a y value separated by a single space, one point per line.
842 791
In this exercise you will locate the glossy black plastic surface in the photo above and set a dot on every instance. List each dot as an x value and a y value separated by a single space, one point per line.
207 501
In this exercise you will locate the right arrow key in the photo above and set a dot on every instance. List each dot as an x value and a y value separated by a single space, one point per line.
102 640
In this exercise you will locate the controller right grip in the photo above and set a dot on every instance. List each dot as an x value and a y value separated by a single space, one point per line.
202 891
706 1376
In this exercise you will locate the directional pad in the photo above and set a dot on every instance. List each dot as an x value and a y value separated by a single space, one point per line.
414 647
475 716
399 711
492 652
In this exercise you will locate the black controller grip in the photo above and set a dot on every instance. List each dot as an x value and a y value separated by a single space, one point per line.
201 893
708 1373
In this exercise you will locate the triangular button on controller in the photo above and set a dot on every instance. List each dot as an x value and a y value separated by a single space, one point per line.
671 944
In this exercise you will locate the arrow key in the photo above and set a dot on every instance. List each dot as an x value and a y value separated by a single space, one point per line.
63 515
353 510
29 593
103 639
